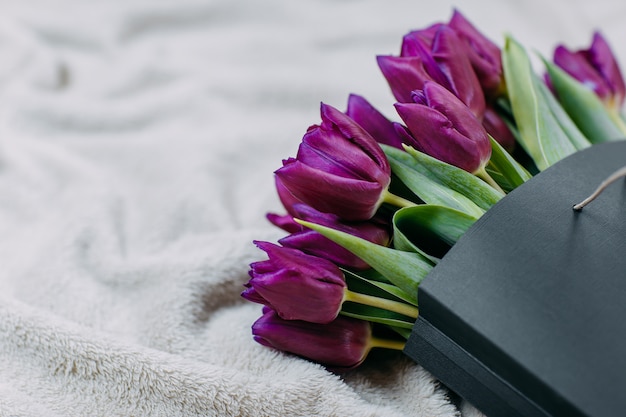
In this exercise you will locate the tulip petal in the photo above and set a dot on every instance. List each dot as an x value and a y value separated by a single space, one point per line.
581 69
341 343
439 137
451 55
313 243
403 74
484 55
377 125
356 135
349 198
602 58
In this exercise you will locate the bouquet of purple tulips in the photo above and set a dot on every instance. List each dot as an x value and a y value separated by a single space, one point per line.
373 205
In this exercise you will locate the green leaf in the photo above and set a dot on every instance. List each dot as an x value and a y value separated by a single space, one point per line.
574 134
357 282
504 165
376 315
540 133
403 269
427 189
478 191
406 333
583 106
433 229
401 242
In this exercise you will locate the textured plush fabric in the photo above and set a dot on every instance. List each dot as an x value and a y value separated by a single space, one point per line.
137 145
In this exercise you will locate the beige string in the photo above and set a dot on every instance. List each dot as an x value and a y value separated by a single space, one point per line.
610 179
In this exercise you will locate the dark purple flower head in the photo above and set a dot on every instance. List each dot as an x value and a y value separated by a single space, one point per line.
342 343
339 168
596 68
444 128
313 243
484 55
298 286
434 54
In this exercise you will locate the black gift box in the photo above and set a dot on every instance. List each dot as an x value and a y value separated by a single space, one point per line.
526 314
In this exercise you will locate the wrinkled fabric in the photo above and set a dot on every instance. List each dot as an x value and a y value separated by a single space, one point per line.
137 144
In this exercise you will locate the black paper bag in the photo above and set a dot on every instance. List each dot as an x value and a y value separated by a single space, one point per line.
526 314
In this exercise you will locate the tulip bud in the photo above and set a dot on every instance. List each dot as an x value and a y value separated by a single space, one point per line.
342 343
339 168
446 129
298 286
313 243
443 60
596 68
451 55
484 55
373 121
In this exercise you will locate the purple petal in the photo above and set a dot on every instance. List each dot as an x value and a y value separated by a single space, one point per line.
446 129
602 58
484 55
315 244
351 199
451 55
403 74
294 260
376 124
357 135
577 65
341 343
285 222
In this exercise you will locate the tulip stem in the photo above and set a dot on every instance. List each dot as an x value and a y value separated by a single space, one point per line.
397 200
484 175
376 342
385 304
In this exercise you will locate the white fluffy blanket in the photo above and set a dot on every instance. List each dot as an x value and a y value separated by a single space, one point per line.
137 145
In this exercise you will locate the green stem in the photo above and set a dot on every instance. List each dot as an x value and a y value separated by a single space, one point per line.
385 304
397 201
483 175
376 342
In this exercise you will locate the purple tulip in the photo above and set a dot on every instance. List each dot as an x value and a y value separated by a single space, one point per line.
484 55
298 286
443 60
448 58
373 121
313 243
339 168
596 68
342 343
446 129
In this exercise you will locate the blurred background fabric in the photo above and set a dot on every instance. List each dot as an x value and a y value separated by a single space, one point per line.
138 140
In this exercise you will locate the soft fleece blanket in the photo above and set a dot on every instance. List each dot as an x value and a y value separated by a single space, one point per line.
137 145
